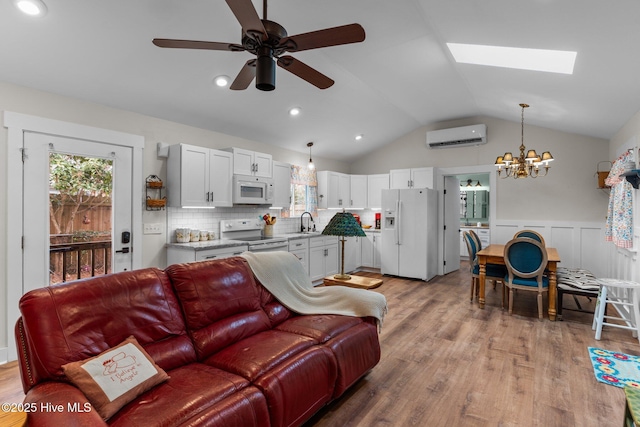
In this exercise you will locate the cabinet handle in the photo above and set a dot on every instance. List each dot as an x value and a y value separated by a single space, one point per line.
207 196
211 257
256 167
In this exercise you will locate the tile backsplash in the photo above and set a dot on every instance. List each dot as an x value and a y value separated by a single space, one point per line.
209 219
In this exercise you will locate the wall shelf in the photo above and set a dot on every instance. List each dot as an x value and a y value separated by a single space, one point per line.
154 189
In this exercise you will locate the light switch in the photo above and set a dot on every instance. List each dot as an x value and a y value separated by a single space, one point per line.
155 228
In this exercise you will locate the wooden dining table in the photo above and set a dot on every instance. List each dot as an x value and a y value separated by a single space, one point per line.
494 254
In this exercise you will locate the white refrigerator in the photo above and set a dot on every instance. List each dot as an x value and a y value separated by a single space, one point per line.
409 233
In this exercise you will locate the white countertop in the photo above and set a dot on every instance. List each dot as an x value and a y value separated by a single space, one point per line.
229 243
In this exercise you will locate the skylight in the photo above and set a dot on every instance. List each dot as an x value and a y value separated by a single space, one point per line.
552 61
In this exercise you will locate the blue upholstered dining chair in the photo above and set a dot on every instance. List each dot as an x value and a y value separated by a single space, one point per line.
526 260
530 234
495 273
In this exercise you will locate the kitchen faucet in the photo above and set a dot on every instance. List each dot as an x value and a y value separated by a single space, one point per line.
308 227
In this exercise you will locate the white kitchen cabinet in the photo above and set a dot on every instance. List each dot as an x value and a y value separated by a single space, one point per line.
323 257
411 178
300 248
247 162
199 177
375 184
358 191
334 190
371 250
281 185
178 255
352 253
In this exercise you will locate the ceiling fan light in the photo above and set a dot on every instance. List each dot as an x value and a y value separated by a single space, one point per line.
31 7
265 70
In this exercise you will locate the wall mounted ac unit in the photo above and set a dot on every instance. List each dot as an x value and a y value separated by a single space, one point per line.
457 137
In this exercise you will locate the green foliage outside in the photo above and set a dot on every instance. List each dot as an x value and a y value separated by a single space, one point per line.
76 184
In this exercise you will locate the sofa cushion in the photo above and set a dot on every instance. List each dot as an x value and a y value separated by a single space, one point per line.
353 341
321 327
257 354
112 307
220 301
300 386
194 392
115 377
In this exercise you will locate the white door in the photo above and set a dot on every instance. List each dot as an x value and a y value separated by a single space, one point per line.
38 148
451 239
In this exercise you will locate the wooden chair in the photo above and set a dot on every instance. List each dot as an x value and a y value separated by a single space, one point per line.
526 260
624 296
495 273
530 234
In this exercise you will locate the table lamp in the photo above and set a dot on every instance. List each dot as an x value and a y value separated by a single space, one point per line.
343 224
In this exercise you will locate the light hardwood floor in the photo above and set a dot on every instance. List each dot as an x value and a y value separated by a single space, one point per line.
445 362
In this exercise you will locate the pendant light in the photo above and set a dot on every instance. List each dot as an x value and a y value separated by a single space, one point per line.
310 165
523 166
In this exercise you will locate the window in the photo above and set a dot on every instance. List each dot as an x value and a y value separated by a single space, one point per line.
304 192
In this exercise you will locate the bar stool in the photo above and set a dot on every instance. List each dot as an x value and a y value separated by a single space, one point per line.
624 296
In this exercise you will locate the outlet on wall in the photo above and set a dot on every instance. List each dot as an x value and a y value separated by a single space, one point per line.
155 228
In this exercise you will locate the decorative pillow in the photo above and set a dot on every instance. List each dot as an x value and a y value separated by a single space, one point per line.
116 376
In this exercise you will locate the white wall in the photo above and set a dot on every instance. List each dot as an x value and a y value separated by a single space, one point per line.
33 102
624 263
568 193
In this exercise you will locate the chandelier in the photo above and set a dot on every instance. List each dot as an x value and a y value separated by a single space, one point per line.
522 167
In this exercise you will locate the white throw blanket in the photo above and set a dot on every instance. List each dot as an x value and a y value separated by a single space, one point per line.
283 275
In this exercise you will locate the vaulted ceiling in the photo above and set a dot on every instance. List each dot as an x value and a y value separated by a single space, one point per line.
400 78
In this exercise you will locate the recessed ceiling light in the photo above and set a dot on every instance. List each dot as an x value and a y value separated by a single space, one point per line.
31 7
221 81
359 137
553 61
294 111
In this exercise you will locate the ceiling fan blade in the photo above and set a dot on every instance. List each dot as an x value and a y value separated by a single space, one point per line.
345 34
248 18
245 76
194 44
302 70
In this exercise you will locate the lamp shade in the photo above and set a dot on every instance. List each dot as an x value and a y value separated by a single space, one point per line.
343 224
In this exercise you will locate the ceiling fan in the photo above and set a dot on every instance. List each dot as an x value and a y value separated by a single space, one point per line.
268 40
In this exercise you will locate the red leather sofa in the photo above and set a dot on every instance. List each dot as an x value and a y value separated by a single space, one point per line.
235 355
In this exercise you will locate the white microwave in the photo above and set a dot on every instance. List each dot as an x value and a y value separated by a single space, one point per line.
251 190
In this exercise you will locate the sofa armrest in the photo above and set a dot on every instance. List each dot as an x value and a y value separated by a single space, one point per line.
60 404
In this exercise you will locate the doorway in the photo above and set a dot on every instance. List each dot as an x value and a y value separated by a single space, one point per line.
65 178
450 212
21 215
